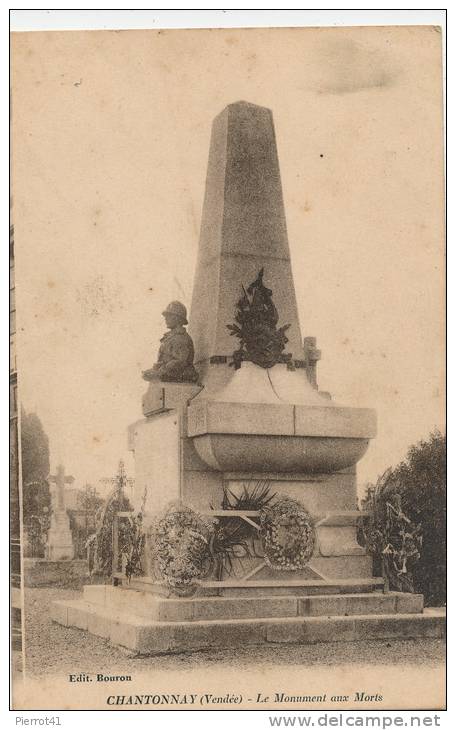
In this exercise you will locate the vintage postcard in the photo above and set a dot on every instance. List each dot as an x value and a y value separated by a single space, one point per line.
227 369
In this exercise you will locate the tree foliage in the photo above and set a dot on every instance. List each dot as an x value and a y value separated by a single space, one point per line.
35 488
35 449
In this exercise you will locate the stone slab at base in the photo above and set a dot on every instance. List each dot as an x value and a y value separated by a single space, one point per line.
60 547
182 625
265 588
39 572
158 608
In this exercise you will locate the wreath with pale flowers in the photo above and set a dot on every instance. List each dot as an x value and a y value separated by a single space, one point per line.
288 534
180 552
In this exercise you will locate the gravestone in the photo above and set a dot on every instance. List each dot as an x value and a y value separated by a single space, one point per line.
60 541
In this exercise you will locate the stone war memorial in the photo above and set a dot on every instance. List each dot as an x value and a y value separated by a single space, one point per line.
245 523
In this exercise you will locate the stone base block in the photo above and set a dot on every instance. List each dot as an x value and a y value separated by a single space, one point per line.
149 637
78 615
165 396
144 604
266 588
40 572
148 623
352 604
343 566
59 612
60 552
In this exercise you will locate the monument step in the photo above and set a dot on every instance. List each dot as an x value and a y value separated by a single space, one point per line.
156 608
243 588
148 637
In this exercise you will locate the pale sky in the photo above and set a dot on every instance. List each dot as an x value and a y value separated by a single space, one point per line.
111 140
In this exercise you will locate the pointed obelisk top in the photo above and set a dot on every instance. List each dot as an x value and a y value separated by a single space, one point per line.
243 230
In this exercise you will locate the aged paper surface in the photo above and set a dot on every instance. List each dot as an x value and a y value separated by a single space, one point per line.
111 133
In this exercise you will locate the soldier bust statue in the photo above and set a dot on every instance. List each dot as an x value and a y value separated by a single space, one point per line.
175 356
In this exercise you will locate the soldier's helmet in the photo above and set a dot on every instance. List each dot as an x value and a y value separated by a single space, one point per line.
178 309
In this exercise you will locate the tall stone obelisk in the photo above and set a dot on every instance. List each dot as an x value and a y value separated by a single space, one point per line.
243 227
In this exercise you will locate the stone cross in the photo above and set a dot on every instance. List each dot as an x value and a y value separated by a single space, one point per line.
59 479
312 357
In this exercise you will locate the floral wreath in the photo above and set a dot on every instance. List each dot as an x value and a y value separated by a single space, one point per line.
288 535
180 548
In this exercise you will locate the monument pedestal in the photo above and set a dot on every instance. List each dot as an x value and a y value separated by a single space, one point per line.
158 443
207 441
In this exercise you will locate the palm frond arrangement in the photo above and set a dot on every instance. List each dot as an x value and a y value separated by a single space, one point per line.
233 537
250 498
